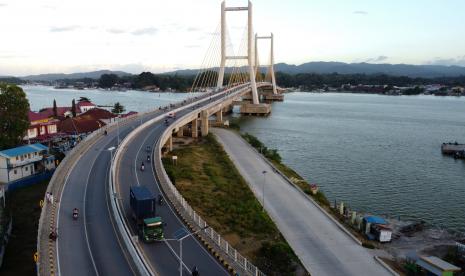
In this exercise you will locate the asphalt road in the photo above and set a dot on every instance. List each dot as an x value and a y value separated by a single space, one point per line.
90 245
162 255
323 248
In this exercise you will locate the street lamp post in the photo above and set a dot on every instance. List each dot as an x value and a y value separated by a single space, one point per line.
180 245
263 189
117 127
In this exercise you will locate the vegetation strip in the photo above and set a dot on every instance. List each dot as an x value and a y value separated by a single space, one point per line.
209 181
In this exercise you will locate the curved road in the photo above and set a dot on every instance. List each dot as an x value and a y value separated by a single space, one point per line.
162 255
90 245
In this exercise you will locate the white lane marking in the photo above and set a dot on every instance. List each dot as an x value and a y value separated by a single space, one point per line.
138 152
85 220
111 217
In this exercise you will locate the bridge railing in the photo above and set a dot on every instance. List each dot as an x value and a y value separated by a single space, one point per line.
47 254
222 246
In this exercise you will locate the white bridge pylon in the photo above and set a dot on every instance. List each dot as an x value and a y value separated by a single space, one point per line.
250 46
271 65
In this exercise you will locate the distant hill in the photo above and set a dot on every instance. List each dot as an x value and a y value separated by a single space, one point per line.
60 76
425 71
321 67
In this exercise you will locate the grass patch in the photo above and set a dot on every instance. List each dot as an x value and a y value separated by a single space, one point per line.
211 184
24 207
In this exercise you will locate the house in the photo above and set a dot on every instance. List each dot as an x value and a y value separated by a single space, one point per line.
376 228
21 162
42 127
84 106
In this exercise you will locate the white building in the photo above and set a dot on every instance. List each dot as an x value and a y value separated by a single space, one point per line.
21 162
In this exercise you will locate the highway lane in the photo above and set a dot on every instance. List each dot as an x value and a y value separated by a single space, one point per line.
90 242
162 255
89 245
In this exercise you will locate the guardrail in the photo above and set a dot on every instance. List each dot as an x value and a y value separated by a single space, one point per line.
132 244
222 246
47 249
47 255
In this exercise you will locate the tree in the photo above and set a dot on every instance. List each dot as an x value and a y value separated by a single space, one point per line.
118 108
83 99
55 110
14 121
108 80
73 108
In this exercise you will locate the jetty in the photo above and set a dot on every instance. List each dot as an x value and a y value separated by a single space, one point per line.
455 149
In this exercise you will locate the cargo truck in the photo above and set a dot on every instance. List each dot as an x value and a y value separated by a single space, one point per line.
142 202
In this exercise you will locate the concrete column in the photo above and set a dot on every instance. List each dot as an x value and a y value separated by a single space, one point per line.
180 132
169 144
273 79
219 84
195 128
219 116
204 124
251 57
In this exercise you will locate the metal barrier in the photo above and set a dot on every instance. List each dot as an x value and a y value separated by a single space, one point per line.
222 246
47 253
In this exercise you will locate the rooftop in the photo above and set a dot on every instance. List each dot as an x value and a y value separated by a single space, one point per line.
9 153
436 263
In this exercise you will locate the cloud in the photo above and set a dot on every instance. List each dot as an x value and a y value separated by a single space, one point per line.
3 5
377 59
116 31
459 61
145 31
192 46
193 29
360 12
64 29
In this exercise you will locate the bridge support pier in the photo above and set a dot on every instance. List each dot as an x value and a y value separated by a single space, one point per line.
195 128
255 109
219 116
169 144
180 132
204 123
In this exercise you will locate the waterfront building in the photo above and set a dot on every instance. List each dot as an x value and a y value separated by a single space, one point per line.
25 161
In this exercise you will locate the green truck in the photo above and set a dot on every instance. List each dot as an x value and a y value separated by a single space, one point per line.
142 202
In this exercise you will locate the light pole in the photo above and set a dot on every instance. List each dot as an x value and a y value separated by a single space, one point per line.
263 189
180 245
117 127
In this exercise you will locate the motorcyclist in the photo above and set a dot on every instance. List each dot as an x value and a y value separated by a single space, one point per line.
142 166
105 132
160 199
148 158
195 271
75 212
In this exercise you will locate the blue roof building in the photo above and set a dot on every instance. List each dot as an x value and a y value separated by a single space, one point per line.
24 161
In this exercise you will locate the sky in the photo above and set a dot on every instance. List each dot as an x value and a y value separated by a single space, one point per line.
65 36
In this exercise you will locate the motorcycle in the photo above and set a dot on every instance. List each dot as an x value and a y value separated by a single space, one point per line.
75 214
142 167
148 158
160 200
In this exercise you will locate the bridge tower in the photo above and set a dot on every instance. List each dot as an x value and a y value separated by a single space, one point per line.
271 65
250 45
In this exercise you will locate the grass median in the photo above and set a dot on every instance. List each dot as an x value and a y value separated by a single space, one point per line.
211 184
